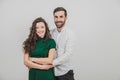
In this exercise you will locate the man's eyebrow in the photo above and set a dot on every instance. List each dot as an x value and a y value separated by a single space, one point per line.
56 16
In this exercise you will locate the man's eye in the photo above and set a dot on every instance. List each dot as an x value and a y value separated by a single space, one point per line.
61 16
56 17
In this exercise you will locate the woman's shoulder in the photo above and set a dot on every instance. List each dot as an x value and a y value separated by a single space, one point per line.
52 43
51 40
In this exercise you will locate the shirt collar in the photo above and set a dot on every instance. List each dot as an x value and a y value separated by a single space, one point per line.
63 28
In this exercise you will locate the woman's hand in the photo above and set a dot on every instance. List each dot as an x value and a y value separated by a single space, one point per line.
32 59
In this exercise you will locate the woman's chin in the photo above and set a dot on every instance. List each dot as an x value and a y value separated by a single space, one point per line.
41 36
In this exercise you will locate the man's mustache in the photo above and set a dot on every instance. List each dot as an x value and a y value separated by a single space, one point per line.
59 22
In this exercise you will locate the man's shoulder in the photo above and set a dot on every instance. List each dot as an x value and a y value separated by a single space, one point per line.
70 31
53 30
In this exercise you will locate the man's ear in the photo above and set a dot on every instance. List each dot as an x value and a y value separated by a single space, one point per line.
66 18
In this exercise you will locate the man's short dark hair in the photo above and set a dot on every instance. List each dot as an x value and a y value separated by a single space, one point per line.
60 9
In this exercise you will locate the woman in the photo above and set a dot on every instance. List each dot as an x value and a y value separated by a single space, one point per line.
40 46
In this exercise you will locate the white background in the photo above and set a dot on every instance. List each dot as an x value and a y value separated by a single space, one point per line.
96 24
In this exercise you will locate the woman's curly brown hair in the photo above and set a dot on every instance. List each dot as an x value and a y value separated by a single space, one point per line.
30 42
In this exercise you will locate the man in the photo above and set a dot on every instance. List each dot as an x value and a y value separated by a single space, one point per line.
65 43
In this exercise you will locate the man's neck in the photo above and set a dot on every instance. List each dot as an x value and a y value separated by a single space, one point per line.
59 29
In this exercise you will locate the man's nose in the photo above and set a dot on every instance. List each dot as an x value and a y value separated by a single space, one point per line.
58 19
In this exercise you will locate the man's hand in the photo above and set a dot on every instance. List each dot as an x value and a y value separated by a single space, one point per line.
46 67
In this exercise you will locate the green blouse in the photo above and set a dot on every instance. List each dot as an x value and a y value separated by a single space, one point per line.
41 50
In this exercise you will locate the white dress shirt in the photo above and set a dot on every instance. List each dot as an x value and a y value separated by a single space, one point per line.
64 49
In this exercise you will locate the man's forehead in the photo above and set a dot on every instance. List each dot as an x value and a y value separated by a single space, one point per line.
59 13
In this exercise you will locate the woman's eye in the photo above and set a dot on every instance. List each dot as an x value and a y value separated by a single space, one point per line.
36 27
42 26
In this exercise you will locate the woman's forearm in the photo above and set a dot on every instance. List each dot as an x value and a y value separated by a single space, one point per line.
46 60
30 64
42 60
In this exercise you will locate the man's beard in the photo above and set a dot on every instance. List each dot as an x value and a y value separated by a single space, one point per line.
60 25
